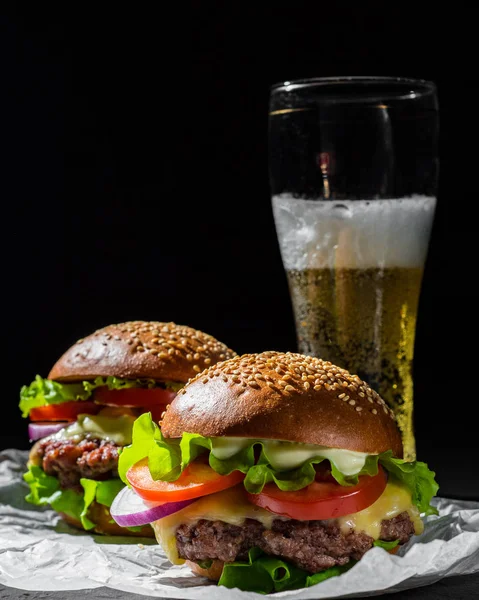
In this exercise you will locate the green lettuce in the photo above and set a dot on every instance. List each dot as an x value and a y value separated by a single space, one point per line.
265 574
168 458
386 545
44 391
148 442
45 490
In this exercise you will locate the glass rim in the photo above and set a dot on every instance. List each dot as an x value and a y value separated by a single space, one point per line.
419 86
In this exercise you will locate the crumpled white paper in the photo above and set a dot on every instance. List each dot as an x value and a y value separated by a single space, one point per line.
38 551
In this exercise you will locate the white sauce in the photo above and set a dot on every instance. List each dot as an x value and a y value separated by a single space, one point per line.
116 429
289 455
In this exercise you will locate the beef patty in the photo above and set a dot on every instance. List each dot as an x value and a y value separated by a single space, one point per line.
310 545
70 460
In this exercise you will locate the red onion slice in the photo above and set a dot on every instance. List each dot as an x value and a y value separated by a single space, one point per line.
37 431
129 510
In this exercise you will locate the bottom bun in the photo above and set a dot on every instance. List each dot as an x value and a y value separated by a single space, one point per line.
216 569
214 572
99 514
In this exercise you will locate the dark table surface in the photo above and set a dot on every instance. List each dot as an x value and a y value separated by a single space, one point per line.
454 588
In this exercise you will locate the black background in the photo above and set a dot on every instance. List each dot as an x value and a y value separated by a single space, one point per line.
134 184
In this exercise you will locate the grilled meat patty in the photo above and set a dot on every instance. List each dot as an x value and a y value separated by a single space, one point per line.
70 460
311 545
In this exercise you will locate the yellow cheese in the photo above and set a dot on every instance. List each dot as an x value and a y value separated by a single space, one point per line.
393 501
232 506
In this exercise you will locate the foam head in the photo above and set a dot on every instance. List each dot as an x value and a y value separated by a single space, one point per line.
315 234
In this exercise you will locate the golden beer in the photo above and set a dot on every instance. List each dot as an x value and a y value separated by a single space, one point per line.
365 321
354 271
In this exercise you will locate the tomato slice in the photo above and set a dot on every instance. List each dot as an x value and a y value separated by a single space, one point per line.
133 396
198 479
65 411
322 499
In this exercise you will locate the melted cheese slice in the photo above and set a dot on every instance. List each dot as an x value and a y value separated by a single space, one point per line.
393 501
232 506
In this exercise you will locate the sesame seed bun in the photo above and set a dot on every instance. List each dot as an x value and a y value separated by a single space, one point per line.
284 396
141 350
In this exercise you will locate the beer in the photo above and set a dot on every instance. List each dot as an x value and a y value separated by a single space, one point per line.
363 320
354 271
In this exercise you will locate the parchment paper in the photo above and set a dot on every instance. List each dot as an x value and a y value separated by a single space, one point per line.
38 551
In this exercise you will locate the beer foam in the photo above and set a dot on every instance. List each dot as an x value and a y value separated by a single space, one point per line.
315 234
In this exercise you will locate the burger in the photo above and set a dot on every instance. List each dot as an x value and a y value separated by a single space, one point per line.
273 471
82 415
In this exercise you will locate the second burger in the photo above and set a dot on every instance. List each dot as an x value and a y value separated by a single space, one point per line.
82 414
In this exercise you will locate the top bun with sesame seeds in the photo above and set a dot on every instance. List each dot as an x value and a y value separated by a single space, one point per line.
140 350
284 396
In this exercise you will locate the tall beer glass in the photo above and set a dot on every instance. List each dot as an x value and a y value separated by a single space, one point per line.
353 173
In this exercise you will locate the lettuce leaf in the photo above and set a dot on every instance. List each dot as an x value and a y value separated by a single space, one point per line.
386 545
103 492
44 391
168 458
265 574
148 442
45 490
